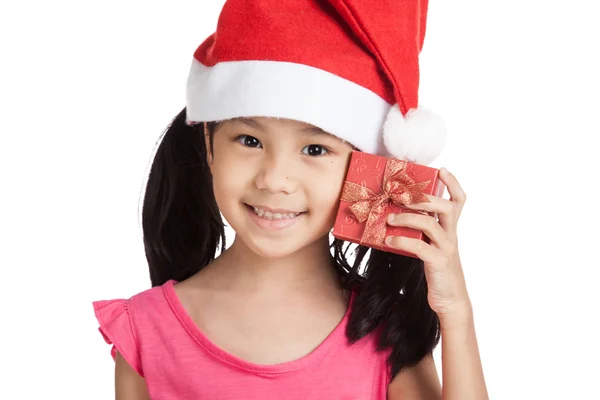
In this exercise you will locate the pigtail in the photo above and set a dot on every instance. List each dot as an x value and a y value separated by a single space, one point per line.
182 225
391 302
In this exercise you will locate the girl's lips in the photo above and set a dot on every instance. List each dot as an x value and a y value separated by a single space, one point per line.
275 224
274 210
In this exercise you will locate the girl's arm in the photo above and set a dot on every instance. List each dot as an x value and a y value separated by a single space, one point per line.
462 373
446 290
461 366
129 385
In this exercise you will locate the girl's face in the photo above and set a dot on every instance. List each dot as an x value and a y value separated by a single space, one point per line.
265 169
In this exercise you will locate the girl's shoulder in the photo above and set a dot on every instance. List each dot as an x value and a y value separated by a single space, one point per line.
148 301
122 321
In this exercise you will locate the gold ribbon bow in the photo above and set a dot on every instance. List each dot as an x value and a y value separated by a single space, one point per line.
397 187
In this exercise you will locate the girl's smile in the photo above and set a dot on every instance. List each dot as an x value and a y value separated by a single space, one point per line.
273 220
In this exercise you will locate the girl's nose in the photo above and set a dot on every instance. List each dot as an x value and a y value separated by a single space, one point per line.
277 175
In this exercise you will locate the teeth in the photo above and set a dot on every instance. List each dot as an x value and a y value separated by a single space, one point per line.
272 216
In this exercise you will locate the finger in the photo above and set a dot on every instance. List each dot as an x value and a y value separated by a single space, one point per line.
445 209
424 223
436 204
424 251
457 194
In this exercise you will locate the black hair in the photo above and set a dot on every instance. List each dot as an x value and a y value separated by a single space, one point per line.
183 228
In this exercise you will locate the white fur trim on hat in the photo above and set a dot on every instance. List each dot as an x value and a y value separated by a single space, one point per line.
419 137
287 90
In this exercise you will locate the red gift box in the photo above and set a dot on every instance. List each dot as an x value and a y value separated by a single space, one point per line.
377 186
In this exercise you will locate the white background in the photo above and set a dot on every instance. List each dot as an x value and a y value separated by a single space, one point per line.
87 88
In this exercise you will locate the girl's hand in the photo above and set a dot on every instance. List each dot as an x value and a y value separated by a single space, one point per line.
447 291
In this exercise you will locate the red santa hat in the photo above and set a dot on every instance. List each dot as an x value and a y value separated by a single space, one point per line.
350 67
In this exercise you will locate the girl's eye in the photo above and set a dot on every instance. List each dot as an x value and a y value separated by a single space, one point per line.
249 141
310 150
315 150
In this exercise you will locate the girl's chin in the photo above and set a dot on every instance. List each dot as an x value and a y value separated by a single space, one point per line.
273 251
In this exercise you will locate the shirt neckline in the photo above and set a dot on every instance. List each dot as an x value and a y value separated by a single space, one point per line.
336 335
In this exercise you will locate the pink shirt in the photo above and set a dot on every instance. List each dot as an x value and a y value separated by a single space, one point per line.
159 339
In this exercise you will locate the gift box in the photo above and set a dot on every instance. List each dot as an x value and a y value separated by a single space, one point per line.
377 186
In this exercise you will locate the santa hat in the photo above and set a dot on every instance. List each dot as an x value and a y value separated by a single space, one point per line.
350 67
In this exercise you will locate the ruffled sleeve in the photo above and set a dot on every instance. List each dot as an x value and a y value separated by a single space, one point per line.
116 329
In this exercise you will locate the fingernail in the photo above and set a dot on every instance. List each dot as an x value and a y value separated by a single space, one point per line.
391 218
443 170
388 240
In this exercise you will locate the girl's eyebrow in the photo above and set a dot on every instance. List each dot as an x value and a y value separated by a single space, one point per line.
311 130
248 121
314 130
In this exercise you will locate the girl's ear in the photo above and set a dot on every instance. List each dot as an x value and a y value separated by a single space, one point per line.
209 156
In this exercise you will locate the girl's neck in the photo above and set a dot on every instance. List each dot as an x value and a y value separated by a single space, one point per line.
241 270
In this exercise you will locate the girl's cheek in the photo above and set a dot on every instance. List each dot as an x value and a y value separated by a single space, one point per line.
328 186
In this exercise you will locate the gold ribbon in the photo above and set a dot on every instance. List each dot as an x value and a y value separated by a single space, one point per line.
397 187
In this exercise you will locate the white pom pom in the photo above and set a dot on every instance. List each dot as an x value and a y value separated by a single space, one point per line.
419 137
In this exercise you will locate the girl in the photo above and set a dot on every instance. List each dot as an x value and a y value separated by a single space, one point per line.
277 100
